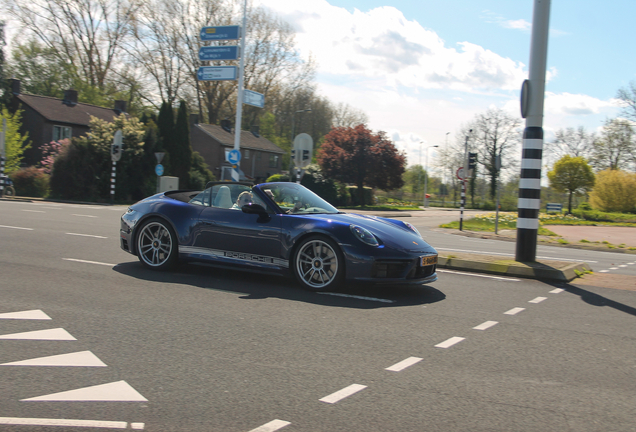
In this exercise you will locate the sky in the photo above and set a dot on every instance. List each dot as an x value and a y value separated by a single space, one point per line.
421 69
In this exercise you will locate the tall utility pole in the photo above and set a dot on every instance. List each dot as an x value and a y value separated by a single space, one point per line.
532 97
425 203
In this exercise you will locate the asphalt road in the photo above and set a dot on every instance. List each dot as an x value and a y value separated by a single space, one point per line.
88 335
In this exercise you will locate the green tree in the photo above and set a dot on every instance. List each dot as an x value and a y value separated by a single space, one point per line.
615 147
614 191
165 135
359 156
4 86
15 143
572 175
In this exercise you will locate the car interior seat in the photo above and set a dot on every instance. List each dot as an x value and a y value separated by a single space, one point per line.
223 198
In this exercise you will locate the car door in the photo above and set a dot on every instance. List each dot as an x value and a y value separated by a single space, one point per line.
231 235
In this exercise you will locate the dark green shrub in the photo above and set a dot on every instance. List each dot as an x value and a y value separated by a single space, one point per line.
30 182
368 195
585 206
277 178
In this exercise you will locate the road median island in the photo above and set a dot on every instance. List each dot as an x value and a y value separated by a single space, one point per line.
553 270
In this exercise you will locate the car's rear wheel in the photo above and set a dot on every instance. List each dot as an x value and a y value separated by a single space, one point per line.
318 263
157 246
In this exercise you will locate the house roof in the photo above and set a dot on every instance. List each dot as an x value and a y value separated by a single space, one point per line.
55 110
248 139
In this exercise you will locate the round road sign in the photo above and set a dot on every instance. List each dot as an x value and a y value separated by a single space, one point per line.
159 170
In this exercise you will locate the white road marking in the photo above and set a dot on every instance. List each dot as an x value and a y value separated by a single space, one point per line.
34 211
358 297
631 263
50 334
119 391
12 227
89 262
76 359
623 265
87 235
63 422
35 314
538 300
450 342
556 291
83 215
508 254
478 275
486 325
272 426
341 394
404 364
514 311
613 268
603 271
137 426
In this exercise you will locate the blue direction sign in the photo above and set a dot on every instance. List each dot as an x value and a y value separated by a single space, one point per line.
217 73
233 156
220 33
209 53
253 98
159 170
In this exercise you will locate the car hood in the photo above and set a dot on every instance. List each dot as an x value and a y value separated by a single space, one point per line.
391 232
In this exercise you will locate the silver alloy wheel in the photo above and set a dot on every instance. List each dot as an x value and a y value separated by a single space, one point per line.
155 244
317 264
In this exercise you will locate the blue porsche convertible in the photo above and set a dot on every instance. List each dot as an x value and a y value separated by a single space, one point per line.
278 227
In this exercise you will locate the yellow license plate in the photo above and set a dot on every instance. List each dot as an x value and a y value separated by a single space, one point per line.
429 260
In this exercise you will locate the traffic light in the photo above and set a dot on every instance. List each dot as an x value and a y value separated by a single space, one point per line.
306 155
472 160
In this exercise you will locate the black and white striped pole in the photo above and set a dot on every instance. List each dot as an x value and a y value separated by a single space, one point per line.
532 97
115 154
3 134
464 177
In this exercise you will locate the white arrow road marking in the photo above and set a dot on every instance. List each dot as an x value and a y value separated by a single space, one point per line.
35 314
81 358
119 391
51 334
272 426
341 394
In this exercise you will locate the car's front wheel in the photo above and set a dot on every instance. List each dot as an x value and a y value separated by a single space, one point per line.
157 246
318 263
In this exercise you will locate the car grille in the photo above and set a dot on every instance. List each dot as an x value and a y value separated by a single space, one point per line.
421 272
389 269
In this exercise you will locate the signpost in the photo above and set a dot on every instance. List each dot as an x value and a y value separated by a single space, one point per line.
217 73
303 150
254 98
234 157
220 33
211 53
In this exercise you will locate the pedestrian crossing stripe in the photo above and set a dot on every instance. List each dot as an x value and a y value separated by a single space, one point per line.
81 358
119 391
35 314
50 334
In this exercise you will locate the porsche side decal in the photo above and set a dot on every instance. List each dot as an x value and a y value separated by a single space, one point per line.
239 256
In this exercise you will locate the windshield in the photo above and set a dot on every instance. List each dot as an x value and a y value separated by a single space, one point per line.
293 198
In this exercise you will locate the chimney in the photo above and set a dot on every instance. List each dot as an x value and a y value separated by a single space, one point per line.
120 106
70 97
256 130
226 125
14 84
194 119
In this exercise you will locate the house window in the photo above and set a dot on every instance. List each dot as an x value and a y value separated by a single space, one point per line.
273 161
61 132
246 154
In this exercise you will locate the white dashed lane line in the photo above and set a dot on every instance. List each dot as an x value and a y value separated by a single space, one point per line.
18 228
557 291
83 215
514 311
272 426
404 364
69 423
34 211
89 262
509 279
538 300
87 235
357 297
486 325
450 342
341 394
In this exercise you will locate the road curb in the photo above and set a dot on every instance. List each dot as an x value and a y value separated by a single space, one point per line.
543 270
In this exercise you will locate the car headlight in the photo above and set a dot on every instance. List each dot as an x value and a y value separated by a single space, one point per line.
412 228
364 235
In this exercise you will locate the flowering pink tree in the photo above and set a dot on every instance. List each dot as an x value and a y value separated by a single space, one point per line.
50 151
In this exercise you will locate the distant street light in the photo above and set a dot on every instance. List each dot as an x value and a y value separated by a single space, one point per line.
426 176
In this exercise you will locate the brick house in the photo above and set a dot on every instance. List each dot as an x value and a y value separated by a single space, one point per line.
260 158
47 119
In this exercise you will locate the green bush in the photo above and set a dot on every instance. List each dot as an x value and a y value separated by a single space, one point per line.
368 195
277 178
585 206
30 182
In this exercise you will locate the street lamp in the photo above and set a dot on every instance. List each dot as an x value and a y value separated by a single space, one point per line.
426 176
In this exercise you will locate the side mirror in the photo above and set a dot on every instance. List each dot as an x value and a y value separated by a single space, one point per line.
255 209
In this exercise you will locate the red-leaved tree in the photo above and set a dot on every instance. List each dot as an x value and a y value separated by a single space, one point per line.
357 155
